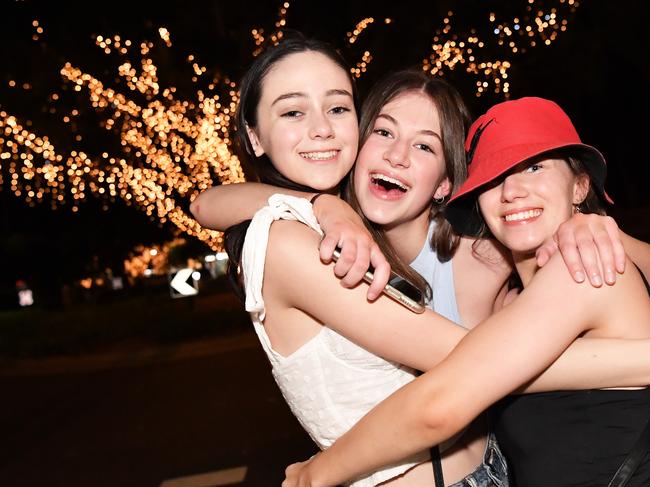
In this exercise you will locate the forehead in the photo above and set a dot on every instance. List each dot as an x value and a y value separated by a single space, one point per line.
306 72
413 108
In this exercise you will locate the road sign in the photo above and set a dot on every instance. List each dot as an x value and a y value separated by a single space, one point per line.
182 283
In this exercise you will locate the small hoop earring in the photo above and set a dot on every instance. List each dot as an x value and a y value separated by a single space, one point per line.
577 209
439 201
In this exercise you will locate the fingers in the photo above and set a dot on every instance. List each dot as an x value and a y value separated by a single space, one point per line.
587 252
591 243
357 255
605 250
546 250
327 246
565 242
620 257
381 273
355 260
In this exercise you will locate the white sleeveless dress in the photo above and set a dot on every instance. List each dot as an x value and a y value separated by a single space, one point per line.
329 382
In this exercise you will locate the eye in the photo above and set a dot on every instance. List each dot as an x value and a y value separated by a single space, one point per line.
382 132
292 114
339 110
425 148
533 168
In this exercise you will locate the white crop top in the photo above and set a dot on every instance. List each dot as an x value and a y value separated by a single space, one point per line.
329 382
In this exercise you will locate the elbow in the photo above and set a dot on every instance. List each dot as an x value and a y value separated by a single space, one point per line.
197 209
440 417
194 209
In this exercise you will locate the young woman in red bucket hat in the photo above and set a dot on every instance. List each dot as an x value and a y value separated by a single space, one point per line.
528 173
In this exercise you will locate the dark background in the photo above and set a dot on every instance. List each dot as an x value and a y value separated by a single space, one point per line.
597 70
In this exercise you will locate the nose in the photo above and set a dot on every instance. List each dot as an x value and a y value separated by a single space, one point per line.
397 154
512 188
321 127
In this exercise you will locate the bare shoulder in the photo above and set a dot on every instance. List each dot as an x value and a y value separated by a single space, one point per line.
290 239
555 279
292 255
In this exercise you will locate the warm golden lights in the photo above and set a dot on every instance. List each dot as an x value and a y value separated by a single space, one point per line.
171 149
538 25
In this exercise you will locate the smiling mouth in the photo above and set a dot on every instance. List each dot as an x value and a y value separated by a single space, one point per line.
522 215
319 155
388 184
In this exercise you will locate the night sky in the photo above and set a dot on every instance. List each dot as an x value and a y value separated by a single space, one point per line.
597 70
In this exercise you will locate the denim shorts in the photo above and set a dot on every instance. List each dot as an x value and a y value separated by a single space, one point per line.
492 472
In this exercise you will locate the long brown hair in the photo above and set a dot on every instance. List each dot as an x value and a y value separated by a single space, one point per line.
454 120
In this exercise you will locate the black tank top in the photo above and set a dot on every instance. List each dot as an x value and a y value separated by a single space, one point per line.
571 438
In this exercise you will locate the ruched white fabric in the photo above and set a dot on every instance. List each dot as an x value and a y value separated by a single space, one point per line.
329 383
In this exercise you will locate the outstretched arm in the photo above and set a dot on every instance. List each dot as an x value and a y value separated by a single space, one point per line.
223 206
422 341
502 353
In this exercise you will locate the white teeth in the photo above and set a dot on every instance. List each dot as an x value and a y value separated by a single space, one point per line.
522 215
396 182
319 156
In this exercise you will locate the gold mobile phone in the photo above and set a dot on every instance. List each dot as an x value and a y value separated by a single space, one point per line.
398 288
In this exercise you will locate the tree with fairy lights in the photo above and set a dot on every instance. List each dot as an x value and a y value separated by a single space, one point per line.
167 147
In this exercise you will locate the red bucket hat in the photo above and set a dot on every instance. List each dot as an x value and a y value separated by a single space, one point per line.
510 133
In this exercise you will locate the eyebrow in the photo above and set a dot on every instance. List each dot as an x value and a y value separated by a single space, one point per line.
423 131
300 94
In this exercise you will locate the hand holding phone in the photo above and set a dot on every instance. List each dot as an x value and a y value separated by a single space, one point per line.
398 288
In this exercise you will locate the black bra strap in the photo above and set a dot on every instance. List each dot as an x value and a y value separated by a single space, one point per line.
437 467
633 459
645 281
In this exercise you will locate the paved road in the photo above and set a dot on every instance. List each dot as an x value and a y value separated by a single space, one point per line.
141 425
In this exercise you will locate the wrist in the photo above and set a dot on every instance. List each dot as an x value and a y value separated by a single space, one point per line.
322 205
310 474
314 197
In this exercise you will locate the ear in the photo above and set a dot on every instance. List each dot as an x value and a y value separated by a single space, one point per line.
581 188
443 189
255 141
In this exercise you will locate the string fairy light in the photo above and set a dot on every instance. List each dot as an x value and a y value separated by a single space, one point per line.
173 149
276 36
539 25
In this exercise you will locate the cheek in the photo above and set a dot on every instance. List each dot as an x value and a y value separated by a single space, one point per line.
428 174
350 131
487 203
287 136
367 154
359 181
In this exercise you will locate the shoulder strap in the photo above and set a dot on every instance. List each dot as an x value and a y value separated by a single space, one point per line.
640 448
645 281
437 467
633 459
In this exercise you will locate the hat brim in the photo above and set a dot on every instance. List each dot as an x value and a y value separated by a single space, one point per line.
462 211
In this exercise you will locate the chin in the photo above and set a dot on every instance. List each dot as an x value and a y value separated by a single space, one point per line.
378 217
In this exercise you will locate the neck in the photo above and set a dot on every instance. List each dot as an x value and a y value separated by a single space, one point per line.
408 238
526 265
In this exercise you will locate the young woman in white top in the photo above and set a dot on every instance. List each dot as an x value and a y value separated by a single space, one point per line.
302 118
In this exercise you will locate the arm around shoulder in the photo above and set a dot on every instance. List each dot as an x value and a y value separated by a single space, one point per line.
301 281
223 206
